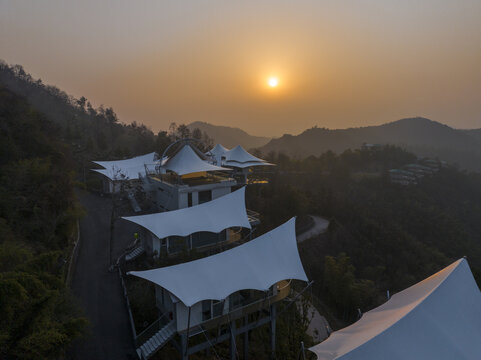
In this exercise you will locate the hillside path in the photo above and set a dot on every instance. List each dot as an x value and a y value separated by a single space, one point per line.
98 290
320 226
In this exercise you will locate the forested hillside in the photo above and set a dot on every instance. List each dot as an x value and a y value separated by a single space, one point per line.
382 236
420 136
38 214
93 133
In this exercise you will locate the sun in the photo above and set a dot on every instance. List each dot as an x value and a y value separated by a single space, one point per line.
273 82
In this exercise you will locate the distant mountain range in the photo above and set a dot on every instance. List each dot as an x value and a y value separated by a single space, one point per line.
421 136
229 136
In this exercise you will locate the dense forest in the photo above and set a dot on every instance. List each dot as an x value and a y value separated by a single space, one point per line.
382 236
38 213
91 133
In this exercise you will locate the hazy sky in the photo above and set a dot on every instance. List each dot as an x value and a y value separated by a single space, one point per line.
339 63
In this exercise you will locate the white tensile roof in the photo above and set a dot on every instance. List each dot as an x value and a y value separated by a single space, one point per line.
213 216
257 264
186 161
247 164
125 169
239 155
438 318
218 150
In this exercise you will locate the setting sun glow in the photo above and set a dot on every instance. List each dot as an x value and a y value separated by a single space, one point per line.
273 81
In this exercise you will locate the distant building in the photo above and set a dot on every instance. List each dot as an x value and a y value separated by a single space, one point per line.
402 177
372 147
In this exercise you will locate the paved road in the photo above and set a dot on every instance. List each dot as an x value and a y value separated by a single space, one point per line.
98 289
318 324
320 226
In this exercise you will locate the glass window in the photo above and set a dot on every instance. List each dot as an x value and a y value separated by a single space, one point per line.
177 244
206 310
205 196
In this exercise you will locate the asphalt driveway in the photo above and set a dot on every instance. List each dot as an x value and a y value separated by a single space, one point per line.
98 290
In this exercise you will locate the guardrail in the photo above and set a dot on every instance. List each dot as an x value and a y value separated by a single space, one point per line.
73 258
131 318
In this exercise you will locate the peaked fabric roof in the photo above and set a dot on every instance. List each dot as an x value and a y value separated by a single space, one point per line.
125 169
238 154
257 264
218 150
186 161
437 318
214 216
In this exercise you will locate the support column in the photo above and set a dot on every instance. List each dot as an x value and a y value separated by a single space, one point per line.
246 339
183 346
273 330
232 347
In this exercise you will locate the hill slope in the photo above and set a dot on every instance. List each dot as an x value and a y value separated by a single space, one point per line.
422 136
229 136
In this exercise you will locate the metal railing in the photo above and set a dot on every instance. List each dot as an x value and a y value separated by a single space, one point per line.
151 330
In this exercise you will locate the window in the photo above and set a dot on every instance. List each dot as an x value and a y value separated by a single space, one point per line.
206 310
205 196
177 244
217 308
189 199
204 238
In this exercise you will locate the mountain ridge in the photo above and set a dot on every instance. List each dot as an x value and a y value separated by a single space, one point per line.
420 135
229 136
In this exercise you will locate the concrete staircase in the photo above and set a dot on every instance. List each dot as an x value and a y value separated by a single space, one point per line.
157 341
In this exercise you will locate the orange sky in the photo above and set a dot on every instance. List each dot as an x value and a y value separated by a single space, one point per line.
339 63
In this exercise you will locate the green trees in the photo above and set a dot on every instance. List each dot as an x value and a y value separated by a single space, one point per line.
37 215
382 236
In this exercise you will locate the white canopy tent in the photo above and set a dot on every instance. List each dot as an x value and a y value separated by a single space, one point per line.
127 169
438 318
214 216
238 157
238 154
219 149
257 264
217 152
186 161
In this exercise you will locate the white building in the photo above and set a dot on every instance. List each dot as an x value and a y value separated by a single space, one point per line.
186 179
128 170
217 290
438 318
195 227
238 159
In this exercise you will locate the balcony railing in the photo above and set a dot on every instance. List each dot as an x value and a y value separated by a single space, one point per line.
283 289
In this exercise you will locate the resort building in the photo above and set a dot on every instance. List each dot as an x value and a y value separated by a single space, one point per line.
118 172
185 179
438 318
238 159
229 293
200 226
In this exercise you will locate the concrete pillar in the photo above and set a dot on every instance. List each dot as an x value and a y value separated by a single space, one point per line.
273 330
246 339
232 347
183 346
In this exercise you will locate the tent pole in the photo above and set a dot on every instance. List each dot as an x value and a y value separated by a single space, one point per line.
246 338
184 356
273 331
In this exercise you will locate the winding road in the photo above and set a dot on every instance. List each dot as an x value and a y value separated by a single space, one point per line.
320 226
